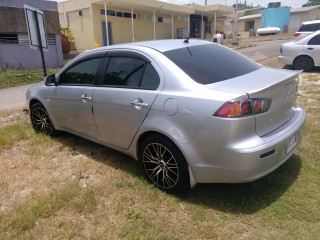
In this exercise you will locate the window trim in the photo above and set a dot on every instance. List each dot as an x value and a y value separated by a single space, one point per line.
129 54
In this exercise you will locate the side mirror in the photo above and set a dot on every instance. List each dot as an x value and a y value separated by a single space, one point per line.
50 80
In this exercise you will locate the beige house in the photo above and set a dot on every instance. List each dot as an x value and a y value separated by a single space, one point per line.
139 20
297 16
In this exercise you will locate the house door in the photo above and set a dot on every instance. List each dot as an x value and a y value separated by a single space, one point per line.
104 33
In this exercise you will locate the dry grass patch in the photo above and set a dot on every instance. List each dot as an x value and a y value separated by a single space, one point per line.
69 188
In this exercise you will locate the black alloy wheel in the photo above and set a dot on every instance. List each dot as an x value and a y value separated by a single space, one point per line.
40 120
164 164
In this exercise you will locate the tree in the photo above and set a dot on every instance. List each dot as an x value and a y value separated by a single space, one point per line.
243 6
311 3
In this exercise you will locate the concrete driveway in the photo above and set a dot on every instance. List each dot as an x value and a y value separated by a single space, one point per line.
13 98
262 50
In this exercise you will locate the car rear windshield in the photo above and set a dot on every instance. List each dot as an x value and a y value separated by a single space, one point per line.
309 27
211 63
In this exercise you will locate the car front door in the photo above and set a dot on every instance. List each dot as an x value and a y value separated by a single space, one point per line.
71 103
313 49
122 101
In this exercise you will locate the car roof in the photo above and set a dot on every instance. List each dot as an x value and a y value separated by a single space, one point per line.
311 22
159 45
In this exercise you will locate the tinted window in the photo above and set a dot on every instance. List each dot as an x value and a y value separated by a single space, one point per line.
315 40
211 63
124 72
150 79
83 73
309 27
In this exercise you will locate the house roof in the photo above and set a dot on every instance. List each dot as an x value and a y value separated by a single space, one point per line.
250 16
149 5
303 9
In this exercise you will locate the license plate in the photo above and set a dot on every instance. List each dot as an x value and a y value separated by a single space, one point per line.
292 142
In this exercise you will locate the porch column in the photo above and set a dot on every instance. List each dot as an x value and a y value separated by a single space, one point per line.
172 26
132 24
106 20
201 32
154 24
226 25
189 33
215 23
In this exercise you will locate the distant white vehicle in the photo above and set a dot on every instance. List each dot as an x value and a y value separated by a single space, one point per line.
307 28
218 38
268 30
303 53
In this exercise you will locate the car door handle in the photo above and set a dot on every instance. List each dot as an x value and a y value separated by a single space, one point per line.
85 97
140 104
309 48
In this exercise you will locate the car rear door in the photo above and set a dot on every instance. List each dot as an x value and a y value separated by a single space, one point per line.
71 103
313 49
124 97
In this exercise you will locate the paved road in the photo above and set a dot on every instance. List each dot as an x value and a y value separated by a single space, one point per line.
13 98
263 50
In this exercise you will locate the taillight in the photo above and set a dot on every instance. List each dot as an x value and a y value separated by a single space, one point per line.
261 105
242 108
297 34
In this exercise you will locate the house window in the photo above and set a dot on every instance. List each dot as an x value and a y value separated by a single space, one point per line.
208 27
6 38
117 13
248 25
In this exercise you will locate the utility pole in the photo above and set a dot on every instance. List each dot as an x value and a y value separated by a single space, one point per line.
235 27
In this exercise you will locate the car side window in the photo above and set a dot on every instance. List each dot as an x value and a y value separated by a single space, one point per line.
307 28
315 40
83 73
150 79
124 72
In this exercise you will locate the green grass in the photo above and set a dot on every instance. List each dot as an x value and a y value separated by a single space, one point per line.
10 134
81 190
12 77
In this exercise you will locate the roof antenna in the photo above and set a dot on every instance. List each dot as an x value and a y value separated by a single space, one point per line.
187 40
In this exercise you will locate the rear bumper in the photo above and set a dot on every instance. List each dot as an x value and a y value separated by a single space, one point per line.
285 59
260 156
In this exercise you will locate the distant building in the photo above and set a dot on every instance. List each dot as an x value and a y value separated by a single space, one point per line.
288 22
139 20
15 51
276 17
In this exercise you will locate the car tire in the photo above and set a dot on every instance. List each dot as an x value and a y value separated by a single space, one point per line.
303 63
40 120
164 164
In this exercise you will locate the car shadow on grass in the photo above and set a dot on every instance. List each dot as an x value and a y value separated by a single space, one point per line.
100 153
313 70
245 198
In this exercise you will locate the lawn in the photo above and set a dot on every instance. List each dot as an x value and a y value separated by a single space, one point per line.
67 187
12 77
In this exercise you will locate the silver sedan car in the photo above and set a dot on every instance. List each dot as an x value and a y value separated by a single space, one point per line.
190 111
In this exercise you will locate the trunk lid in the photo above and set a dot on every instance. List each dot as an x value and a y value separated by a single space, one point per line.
278 85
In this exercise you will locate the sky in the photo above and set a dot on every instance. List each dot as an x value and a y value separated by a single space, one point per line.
264 3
